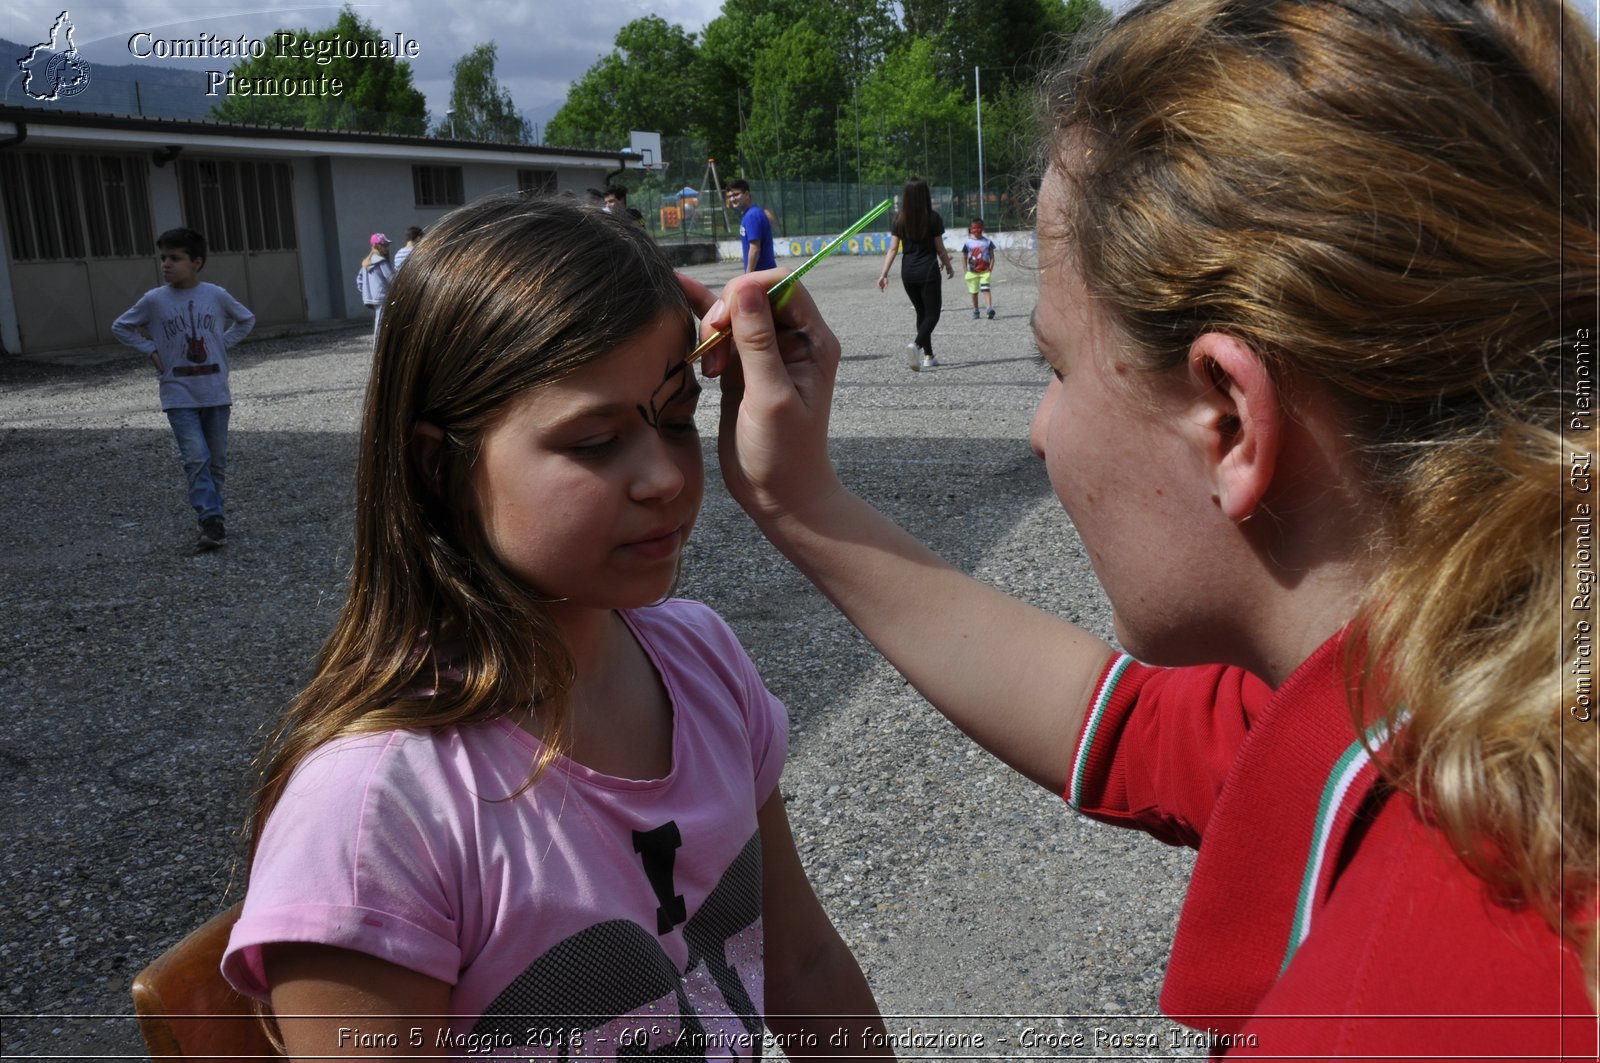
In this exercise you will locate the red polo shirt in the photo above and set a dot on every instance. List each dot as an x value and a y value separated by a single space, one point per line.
1325 917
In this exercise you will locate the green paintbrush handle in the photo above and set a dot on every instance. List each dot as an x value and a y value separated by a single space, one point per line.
778 292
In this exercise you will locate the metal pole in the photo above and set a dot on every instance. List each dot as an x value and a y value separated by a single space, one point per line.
856 102
977 91
950 149
838 154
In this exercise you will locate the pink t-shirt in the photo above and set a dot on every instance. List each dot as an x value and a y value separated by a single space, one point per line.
588 915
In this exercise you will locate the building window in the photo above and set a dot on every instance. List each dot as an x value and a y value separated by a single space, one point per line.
437 186
536 182
240 205
62 205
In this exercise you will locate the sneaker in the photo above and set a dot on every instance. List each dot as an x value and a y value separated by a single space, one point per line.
929 361
975 313
212 534
913 359
991 313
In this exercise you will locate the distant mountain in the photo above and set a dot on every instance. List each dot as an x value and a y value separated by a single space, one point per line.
131 88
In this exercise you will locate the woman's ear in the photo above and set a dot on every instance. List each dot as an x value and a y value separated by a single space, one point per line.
426 447
1242 421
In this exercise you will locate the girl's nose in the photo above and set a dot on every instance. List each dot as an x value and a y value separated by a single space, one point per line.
1039 428
658 475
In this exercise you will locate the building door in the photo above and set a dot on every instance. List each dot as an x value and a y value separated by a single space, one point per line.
246 209
81 249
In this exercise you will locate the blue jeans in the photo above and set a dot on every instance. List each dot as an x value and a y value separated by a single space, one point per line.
202 435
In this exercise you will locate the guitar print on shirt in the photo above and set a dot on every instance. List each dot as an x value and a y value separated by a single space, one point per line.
647 1007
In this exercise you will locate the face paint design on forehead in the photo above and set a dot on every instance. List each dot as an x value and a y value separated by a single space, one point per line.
677 382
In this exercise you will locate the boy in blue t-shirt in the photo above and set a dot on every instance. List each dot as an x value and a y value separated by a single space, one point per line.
978 252
180 327
755 228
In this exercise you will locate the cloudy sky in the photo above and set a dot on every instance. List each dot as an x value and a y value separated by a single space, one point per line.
543 44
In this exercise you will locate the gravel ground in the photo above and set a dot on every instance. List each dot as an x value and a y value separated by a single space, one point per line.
137 678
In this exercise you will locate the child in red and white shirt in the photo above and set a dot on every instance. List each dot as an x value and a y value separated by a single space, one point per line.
978 252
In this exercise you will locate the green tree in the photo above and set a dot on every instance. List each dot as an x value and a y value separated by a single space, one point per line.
794 96
1012 127
1009 39
1011 135
729 47
902 103
377 97
648 82
481 107
857 33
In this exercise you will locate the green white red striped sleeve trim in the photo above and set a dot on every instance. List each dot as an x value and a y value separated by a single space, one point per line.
1346 770
1091 726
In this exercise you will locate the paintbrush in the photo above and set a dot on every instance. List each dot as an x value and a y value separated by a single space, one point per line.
776 293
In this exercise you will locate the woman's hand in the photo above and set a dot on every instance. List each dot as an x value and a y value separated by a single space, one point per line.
1014 677
888 260
777 378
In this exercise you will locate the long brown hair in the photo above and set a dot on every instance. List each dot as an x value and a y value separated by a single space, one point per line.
914 223
506 294
1394 199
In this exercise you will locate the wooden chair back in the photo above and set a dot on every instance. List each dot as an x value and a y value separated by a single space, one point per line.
187 1010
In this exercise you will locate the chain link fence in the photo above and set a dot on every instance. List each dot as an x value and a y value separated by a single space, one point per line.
683 201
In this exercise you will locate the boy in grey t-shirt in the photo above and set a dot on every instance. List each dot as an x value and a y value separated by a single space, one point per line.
180 326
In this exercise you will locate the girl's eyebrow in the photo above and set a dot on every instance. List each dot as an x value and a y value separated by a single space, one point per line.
604 410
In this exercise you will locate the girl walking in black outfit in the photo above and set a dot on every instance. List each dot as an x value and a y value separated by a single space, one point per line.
921 231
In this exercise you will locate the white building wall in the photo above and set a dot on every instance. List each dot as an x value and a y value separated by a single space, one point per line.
378 195
343 192
368 196
309 239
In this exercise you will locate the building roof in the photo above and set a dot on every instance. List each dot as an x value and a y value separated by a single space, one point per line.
41 126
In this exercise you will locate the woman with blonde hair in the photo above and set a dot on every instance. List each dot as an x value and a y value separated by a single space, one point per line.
374 277
1312 272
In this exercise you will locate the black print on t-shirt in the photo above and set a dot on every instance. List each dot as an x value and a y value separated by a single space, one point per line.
732 906
658 849
611 991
